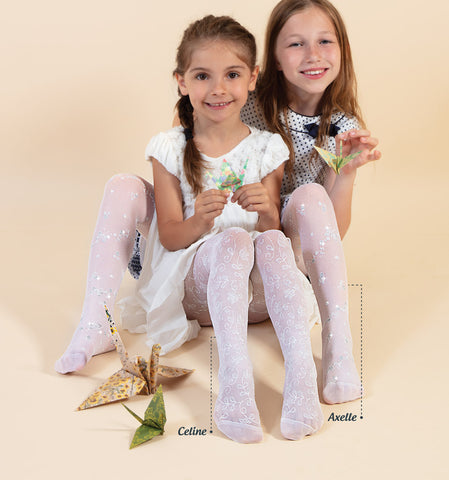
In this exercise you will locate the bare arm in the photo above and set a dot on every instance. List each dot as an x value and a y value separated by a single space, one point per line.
176 233
340 187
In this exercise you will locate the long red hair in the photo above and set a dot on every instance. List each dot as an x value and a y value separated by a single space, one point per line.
339 96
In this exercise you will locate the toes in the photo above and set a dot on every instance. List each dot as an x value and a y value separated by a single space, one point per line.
295 430
340 392
70 362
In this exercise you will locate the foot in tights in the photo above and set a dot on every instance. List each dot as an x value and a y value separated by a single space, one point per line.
225 262
310 215
289 312
127 203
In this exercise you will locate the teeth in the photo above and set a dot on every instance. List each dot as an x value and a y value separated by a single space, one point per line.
218 104
314 72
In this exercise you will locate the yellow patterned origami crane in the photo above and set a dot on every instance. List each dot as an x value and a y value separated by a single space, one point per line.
136 377
336 162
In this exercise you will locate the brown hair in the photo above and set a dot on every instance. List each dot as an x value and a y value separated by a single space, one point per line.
208 28
339 96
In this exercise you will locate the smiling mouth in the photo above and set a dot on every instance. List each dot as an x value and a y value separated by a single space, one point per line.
218 105
316 72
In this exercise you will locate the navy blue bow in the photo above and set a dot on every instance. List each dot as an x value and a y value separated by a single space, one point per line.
312 129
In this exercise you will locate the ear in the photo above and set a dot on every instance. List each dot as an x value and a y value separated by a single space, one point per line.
253 79
181 84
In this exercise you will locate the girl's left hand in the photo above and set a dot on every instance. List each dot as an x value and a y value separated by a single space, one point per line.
254 197
354 141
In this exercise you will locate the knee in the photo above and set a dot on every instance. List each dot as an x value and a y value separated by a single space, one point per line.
272 243
127 185
308 192
236 234
274 237
237 243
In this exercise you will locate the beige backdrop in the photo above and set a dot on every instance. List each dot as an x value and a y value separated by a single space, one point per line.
84 85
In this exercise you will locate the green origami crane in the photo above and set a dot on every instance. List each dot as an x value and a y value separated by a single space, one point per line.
336 162
154 421
228 179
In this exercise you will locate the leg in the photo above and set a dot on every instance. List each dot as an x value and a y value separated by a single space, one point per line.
223 264
289 312
195 299
310 215
127 204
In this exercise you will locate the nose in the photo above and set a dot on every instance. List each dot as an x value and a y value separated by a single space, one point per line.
313 53
218 87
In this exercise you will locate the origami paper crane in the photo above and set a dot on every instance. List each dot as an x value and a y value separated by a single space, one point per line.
228 179
153 422
336 162
136 377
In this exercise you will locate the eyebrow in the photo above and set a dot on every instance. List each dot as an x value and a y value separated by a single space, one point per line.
323 32
232 67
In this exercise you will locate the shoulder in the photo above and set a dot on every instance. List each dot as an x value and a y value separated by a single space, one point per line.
345 122
269 149
168 149
169 142
266 139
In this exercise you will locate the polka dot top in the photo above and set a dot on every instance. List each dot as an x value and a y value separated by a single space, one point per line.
308 168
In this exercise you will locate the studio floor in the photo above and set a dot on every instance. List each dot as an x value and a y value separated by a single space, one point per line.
399 324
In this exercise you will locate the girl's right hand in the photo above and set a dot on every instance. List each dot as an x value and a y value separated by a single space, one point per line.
209 205
355 141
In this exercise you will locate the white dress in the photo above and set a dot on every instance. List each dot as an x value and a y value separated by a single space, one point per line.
156 307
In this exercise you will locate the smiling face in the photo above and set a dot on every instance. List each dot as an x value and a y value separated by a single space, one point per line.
308 54
217 81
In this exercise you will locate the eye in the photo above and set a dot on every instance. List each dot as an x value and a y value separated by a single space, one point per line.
201 76
233 75
296 44
326 41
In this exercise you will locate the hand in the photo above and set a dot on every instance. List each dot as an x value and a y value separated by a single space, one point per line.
254 197
208 206
354 141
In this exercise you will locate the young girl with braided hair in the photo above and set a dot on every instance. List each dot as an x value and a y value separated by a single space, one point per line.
215 253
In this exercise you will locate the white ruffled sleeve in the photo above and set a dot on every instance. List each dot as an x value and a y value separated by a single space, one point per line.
276 154
168 149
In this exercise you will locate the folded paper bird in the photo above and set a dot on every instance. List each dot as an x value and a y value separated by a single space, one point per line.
228 179
153 422
336 162
136 377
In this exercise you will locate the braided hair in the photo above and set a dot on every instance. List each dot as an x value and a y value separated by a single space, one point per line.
209 28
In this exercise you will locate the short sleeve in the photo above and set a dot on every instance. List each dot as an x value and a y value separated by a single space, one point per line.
275 155
168 149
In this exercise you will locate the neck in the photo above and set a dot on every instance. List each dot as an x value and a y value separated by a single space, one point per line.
225 128
216 139
305 104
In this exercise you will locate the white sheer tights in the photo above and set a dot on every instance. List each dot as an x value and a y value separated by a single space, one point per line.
290 313
219 277
223 265
309 220
128 203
